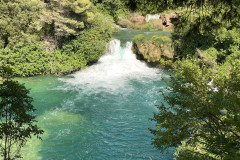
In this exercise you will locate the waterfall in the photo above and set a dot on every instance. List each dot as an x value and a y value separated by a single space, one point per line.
114 69
113 46
149 17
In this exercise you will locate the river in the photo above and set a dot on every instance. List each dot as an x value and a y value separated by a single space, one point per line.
101 112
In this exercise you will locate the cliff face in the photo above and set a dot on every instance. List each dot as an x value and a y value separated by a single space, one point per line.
153 51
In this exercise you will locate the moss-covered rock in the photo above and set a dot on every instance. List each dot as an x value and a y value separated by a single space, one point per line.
157 50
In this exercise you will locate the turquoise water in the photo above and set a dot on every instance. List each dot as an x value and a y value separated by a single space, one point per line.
99 113
128 35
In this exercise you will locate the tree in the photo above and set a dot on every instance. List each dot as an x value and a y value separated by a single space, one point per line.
17 119
65 18
16 17
203 109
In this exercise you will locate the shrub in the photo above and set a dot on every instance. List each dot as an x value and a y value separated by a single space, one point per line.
26 60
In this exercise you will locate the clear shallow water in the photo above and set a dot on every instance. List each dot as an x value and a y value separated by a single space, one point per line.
99 113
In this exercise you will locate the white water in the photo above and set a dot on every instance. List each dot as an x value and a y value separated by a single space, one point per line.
114 69
149 17
121 28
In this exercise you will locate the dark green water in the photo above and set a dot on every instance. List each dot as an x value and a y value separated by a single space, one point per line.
100 113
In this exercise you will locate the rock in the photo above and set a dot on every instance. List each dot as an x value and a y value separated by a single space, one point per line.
137 19
169 19
152 51
157 23
123 22
167 54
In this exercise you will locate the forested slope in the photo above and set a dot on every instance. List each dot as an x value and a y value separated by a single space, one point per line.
51 36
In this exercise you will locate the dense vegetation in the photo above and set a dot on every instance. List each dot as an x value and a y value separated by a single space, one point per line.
17 119
114 9
156 50
51 37
201 112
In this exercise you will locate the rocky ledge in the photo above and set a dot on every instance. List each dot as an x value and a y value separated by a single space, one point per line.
163 22
156 51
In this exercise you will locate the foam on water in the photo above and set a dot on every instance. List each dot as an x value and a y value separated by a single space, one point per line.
101 112
114 69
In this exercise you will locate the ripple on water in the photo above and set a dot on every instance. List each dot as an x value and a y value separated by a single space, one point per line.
99 113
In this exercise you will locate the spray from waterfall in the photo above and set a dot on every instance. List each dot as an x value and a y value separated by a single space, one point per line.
114 69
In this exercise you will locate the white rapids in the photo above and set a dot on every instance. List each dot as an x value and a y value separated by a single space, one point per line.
114 69
150 16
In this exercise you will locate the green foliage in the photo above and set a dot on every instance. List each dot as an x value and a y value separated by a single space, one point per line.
25 60
112 8
157 50
63 63
152 25
192 33
159 40
17 119
202 107
16 17
67 16
139 39
87 48
145 6
190 154
29 21
167 64
72 26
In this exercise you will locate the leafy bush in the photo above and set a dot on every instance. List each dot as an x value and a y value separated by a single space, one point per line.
139 39
200 30
85 36
16 17
156 50
161 40
85 49
63 63
202 109
26 60
112 9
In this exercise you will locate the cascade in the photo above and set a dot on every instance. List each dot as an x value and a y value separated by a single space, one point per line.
101 112
149 17
114 68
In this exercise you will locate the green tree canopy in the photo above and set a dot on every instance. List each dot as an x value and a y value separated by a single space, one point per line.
17 119
68 17
16 17
202 107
